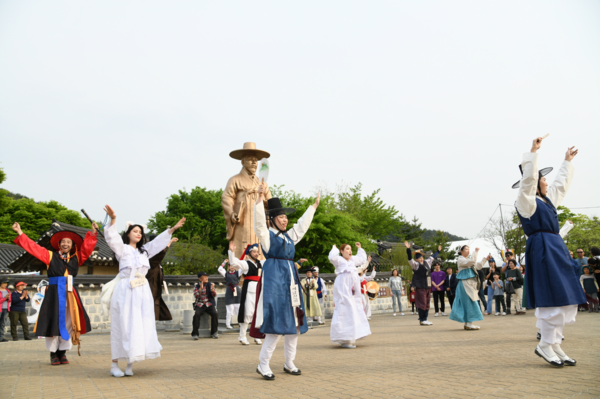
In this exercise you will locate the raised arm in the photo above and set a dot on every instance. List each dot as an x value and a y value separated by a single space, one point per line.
32 248
372 276
260 226
559 187
235 262
568 226
222 270
525 203
89 243
114 241
334 256
465 263
483 261
361 256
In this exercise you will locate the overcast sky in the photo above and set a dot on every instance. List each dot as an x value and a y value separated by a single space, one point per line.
126 102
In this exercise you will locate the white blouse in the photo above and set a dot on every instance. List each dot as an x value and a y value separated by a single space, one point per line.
129 257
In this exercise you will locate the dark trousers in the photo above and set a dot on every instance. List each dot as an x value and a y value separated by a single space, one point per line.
16 317
413 307
508 303
3 322
214 319
423 314
437 297
450 298
481 294
500 300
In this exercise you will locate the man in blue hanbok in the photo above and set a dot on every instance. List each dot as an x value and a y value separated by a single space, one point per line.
553 287
279 307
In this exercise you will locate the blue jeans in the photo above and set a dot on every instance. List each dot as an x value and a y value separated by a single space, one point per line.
482 298
490 292
397 296
3 321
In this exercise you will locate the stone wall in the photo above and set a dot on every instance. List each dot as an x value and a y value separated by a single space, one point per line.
180 298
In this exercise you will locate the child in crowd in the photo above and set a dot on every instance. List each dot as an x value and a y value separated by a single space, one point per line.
412 298
590 287
498 287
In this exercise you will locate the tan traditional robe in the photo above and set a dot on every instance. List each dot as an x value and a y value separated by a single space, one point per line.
239 197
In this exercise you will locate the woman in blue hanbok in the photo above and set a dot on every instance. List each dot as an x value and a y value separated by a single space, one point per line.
553 287
465 308
280 307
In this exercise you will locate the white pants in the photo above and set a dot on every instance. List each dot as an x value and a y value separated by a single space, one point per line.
320 318
232 311
517 299
57 343
551 322
269 345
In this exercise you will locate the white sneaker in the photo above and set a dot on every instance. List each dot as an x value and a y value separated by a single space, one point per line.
503 313
401 314
229 327
115 371
394 314
436 315
497 313
257 341
243 341
444 314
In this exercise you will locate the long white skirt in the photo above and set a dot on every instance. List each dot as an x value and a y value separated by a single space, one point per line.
133 330
349 322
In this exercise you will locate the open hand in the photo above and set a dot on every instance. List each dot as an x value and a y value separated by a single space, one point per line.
570 154
406 244
317 201
174 239
111 213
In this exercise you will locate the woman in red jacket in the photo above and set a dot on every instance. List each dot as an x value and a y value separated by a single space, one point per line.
4 306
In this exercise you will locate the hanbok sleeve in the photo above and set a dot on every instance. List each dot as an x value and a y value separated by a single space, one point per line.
559 187
372 276
525 203
158 244
89 243
360 258
34 249
568 226
238 264
301 227
464 263
260 226
483 261
334 256
114 241
221 271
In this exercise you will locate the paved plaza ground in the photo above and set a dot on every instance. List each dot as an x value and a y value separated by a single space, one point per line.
400 360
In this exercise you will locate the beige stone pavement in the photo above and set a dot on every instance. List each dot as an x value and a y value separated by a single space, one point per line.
400 359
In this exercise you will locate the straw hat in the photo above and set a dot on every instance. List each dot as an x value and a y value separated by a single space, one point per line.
249 148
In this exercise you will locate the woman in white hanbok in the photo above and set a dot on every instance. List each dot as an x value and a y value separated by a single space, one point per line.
133 335
349 322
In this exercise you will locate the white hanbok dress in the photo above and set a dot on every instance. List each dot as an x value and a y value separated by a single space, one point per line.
133 330
349 322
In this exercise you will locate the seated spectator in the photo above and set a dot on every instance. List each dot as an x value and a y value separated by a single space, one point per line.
590 287
205 302
498 288
4 306
17 314
516 278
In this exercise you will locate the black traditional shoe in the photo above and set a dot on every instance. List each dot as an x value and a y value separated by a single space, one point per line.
567 360
269 376
27 339
294 371
15 339
3 340
62 357
553 360
54 360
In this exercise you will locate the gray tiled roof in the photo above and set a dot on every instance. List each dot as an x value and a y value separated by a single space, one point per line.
8 253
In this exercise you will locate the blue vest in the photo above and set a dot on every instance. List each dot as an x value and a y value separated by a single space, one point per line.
278 313
552 275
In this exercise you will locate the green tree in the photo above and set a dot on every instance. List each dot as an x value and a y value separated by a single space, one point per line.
35 218
585 233
441 238
190 257
377 219
204 217
5 200
329 226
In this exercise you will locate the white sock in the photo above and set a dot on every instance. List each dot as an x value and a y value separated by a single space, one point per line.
116 371
129 369
290 365
469 324
558 350
265 368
